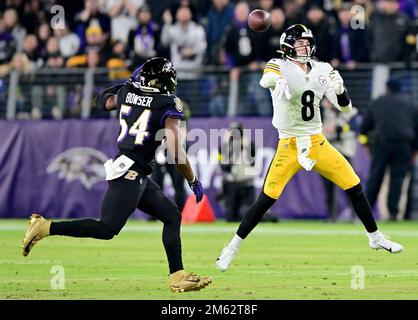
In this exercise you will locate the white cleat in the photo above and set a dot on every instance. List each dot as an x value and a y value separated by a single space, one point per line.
226 257
380 241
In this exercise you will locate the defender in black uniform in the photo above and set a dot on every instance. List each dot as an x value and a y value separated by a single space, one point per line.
146 105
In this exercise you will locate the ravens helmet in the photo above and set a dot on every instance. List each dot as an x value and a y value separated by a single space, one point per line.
156 75
288 39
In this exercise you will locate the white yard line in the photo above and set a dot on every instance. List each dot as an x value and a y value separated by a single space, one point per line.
267 230
17 261
269 273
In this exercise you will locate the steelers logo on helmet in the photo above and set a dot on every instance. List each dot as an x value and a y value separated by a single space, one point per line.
291 49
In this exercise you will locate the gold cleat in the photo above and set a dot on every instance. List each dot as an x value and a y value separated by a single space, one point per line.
181 281
38 229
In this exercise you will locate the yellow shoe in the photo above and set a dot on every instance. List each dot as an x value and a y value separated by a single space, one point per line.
38 229
181 281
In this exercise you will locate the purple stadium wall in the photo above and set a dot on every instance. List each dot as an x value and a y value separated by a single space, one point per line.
40 171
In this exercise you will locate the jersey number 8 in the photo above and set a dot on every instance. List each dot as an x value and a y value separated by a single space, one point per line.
307 105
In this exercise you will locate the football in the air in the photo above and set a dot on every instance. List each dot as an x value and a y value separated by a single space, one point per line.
259 20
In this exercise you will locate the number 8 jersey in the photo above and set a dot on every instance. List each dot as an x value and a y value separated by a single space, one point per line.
299 115
141 116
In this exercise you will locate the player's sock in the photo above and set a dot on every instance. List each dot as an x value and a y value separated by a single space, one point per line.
362 207
254 214
236 241
84 228
373 235
173 252
172 243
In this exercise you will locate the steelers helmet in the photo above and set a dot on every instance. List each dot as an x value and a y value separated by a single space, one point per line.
288 39
156 75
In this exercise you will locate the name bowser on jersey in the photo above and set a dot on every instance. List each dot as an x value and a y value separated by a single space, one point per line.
297 84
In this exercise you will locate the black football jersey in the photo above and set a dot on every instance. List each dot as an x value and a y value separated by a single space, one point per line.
141 116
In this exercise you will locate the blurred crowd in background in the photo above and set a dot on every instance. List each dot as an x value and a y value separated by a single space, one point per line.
125 33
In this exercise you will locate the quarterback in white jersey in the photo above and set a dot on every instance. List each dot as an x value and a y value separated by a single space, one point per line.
297 84
298 94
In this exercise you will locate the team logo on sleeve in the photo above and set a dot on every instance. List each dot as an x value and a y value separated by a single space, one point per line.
179 104
322 80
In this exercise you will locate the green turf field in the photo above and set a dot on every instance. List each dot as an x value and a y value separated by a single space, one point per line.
288 260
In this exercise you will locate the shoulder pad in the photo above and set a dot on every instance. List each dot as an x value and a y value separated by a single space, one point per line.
324 65
172 101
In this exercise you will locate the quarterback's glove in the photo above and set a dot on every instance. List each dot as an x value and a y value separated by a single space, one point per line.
281 88
197 189
336 82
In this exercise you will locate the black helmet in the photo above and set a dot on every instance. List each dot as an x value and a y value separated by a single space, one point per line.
156 75
288 39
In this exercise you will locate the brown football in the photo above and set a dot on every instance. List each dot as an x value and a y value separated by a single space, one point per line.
259 20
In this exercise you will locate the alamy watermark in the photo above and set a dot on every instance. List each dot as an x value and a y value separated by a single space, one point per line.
233 147
58 20
58 279
358 17
358 275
